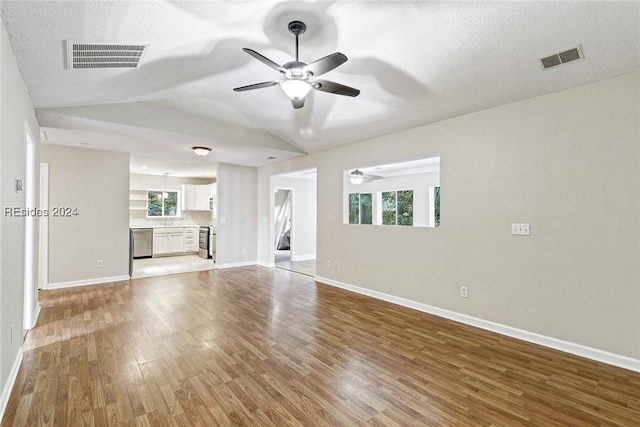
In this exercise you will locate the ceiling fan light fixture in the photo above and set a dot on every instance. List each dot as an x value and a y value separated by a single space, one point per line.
356 177
295 89
201 151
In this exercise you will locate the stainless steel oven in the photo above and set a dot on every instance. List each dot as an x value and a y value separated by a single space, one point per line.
203 242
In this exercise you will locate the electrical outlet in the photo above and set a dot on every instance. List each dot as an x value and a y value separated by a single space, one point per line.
335 265
520 229
244 251
329 265
464 291
99 263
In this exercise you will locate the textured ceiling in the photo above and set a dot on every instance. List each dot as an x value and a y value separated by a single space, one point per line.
414 62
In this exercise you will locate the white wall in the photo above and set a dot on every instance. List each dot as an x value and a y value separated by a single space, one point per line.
539 161
237 221
97 184
303 234
16 113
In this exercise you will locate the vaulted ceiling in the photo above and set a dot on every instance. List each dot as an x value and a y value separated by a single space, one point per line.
415 62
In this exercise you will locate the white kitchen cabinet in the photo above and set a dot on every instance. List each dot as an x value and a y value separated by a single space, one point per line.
191 239
168 241
160 243
188 197
202 197
176 242
195 197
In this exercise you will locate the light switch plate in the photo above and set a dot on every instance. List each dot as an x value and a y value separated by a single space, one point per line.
20 184
519 229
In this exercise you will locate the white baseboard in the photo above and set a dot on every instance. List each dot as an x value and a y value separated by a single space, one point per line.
236 264
303 257
35 315
265 264
8 386
86 282
565 346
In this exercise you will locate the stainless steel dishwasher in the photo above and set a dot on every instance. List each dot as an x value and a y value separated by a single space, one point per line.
142 242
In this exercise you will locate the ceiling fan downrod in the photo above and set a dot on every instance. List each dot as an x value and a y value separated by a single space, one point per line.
297 28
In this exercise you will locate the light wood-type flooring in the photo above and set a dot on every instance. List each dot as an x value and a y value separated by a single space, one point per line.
256 346
283 260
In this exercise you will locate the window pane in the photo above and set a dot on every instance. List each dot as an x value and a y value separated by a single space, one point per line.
171 204
389 208
366 209
154 203
354 208
405 207
436 200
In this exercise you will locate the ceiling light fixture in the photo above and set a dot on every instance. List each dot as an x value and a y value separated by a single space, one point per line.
295 89
356 177
201 151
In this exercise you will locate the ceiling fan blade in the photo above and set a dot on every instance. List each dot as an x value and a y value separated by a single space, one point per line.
264 60
255 86
326 64
370 178
333 87
298 103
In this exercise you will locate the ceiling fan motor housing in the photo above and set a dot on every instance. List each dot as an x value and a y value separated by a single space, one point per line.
297 27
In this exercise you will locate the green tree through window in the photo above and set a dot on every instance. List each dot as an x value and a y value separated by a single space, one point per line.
436 202
389 208
405 207
360 208
397 207
157 205
354 208
366 208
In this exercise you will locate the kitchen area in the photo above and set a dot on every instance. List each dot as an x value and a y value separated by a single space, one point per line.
172 224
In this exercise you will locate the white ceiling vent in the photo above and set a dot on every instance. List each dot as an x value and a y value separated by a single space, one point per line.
562 57
104 55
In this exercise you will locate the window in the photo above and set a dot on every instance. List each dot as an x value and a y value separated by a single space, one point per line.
162 203
360 208
397 207
436 205
405 193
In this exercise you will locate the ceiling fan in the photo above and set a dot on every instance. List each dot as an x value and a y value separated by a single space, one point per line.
358 177
298 77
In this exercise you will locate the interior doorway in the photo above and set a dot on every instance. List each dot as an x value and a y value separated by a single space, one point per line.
294 221
282 214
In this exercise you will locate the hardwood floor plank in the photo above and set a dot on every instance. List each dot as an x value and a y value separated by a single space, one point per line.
256 346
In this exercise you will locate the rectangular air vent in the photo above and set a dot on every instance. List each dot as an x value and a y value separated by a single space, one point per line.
104 55
562 57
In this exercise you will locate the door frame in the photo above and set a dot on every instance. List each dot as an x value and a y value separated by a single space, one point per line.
43 232
31 306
